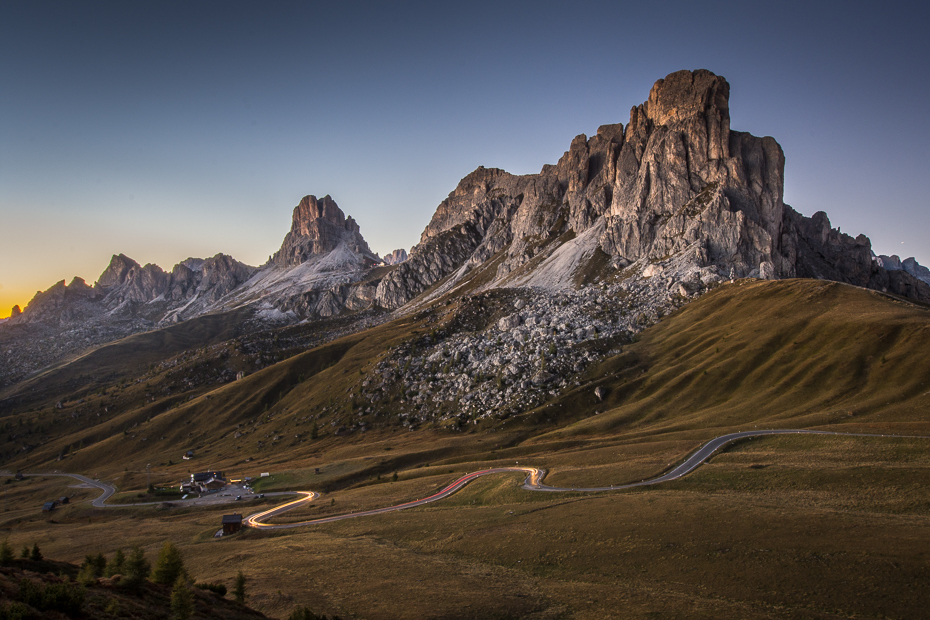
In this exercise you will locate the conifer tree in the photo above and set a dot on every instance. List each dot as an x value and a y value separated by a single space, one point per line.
182 600
6 553
137 569
239 588
169 565
117 565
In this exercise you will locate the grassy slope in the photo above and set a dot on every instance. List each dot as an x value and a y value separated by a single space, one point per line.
126 357
744 536
792 353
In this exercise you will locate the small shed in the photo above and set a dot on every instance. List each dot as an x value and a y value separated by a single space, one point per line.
231 524
63 499
48 506
188 455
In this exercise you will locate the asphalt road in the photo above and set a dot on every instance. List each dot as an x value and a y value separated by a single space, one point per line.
533 482
109 490
535 476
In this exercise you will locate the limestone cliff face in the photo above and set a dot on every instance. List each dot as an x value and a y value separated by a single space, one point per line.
318 226
124 280
396 257
62 304
676 181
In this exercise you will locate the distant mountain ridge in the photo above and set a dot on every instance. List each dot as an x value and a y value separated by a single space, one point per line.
323 248
669 205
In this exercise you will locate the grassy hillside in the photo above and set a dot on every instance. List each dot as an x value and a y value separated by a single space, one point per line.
744 536
791 353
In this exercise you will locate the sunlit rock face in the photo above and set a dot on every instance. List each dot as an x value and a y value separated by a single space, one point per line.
318 226
675 182
396 257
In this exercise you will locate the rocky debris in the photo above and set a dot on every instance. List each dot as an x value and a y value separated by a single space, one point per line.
396 257
676 180
510 350
600 392
318 227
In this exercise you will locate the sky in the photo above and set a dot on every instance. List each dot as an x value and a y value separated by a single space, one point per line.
166 130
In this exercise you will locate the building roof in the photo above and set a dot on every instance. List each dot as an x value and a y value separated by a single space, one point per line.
237 518
206 475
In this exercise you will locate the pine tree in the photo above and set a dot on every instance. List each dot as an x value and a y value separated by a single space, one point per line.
117 565
35 554
6 553
100 564
92 568
182 600
169 565
137 569
239 588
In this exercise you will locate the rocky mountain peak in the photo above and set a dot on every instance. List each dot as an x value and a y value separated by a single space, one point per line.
318 226
311 209
396 257
684 94
677 184
117 272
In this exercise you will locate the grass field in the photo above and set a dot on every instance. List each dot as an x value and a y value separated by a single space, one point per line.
777 527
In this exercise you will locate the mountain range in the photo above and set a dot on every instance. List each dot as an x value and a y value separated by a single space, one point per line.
674 194
601 320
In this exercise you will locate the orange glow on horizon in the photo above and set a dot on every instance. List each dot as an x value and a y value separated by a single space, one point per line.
7 301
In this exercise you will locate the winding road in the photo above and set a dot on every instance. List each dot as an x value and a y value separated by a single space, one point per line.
533 481
535 476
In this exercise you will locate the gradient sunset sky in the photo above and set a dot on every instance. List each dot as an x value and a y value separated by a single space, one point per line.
166 130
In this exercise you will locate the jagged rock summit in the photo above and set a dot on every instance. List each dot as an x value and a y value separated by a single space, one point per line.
675 193
396 257
655 211
319 227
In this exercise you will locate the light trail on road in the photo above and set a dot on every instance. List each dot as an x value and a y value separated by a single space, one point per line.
532 482
535 476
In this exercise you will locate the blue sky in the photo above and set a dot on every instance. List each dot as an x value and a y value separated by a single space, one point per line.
166 130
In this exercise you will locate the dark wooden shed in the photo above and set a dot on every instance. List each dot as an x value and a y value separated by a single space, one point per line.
231 524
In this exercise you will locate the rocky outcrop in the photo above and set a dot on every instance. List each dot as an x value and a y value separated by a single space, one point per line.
62 304
676 181
125 281
15 312
319 227
396 257
910 265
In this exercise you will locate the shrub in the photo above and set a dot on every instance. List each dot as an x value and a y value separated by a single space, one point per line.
16 611
303 613
217 588
92 568
64 597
